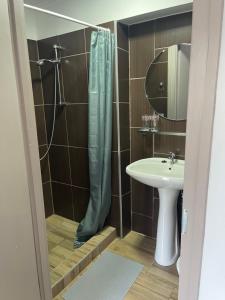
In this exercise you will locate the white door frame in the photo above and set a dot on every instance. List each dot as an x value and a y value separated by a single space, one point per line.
18 265
27 114
206 41
207 20
213 262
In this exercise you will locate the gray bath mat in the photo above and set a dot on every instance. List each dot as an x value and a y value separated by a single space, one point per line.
109 278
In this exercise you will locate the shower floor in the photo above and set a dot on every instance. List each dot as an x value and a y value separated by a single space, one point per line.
66 263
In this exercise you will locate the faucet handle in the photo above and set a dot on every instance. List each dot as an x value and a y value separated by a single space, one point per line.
172 155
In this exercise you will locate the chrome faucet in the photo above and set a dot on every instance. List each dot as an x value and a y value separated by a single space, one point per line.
172 158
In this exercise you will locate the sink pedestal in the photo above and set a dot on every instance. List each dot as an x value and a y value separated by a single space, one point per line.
169 179
166 252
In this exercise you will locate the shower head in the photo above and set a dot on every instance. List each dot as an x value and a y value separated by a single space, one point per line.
41 62
58 47
55 61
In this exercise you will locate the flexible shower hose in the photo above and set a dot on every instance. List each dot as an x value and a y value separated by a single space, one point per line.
54 117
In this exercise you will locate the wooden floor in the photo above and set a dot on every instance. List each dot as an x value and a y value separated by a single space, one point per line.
153 283
60 233
65 262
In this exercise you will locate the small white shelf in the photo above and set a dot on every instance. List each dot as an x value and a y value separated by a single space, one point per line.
145 131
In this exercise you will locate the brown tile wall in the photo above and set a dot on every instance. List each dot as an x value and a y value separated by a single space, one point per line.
121 151
66 181
41 125
145 41
69 152
68 156
124 118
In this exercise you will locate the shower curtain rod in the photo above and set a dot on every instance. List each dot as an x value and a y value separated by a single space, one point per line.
49 12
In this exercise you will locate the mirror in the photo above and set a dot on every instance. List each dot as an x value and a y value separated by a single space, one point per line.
166 83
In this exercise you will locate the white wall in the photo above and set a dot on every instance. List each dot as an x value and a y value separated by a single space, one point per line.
18 276
95 12
212 285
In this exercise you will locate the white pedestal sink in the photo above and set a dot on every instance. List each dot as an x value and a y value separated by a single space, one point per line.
169 179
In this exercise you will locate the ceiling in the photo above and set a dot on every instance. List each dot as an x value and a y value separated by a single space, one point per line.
41 25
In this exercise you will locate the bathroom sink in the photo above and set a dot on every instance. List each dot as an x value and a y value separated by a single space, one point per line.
158 172
169 179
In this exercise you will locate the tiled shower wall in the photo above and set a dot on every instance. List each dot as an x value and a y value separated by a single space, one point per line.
145 41
121 199
68 177
41 125
66 184
69 152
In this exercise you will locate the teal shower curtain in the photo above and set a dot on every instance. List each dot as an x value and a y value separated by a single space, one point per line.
100 93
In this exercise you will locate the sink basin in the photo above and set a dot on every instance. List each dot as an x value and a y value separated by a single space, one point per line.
158 172
169 179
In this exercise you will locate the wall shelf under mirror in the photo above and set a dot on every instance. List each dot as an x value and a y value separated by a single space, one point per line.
145 131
